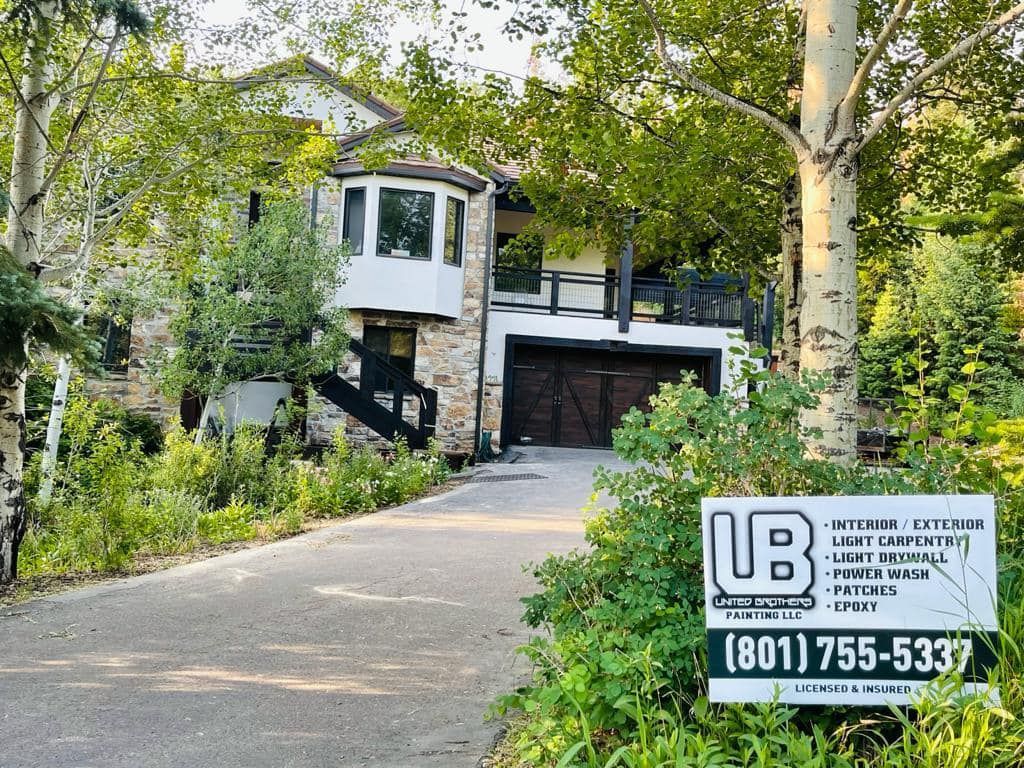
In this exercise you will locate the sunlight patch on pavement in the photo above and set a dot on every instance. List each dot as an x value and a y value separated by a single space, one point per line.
341 591
519 523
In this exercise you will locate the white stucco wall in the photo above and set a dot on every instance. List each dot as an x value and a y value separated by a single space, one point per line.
322 102
590 260
501 324
403 284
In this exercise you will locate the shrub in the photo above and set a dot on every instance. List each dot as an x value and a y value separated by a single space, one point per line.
112 501
233 522
635 599
626 617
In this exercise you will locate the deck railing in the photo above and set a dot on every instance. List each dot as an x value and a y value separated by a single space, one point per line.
717 303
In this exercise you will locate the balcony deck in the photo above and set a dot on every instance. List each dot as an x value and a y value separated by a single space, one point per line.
719 303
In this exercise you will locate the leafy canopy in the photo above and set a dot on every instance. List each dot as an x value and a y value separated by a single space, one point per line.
248 308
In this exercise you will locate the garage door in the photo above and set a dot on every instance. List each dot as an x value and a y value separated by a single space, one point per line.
576 397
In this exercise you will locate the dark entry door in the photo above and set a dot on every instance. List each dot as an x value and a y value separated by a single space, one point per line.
576 397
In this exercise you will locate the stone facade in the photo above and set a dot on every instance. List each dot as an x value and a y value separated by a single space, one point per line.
135 389
447 356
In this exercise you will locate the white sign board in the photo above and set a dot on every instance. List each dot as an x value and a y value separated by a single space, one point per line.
847 600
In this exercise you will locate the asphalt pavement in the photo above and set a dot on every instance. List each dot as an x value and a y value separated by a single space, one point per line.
379 641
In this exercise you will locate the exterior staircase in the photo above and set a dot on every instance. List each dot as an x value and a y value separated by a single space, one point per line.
383 411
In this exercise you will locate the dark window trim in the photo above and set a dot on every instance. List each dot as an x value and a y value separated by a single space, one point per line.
111 334
389 329
460 234
430 240
345 220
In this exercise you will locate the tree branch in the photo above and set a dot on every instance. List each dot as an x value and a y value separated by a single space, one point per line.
937 67
77 64
113 217
76 125
848 106
793 138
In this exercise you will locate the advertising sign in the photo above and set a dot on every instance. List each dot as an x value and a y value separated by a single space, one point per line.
847 600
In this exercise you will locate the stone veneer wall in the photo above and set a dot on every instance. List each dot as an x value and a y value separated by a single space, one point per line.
135 389
447 354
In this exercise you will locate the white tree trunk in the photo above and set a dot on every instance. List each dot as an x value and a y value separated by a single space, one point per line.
59 401
32 113
33 110
54 427
791 237
12 456
204 420
828 178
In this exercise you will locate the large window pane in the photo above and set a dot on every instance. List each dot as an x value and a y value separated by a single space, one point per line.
354 219
115 337
405 219
454 226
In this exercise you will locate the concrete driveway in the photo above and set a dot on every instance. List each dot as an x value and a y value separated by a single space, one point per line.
375 642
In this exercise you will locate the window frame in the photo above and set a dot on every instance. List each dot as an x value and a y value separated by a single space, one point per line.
430 239
113 334
388 330
459 242
345 219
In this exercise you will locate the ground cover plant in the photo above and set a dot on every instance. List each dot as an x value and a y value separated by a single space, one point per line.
115 499
620 677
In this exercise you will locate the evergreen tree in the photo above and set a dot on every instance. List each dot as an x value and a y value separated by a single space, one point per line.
946 302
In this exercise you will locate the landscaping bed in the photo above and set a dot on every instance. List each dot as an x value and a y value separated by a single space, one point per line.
620 672
118 511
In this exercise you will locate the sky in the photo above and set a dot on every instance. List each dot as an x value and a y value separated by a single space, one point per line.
499 53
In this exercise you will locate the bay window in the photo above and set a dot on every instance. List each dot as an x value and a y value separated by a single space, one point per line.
454 227
354 219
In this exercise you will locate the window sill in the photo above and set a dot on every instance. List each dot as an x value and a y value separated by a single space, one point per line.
425 259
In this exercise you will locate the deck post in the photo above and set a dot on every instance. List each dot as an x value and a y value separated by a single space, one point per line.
626 278
555 282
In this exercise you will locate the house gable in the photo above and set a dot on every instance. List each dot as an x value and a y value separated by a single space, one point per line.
316 93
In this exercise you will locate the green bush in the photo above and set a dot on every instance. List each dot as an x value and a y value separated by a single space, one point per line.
945 301
626 641
944 730
112 501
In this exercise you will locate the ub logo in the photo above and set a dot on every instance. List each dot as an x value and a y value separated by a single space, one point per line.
765 564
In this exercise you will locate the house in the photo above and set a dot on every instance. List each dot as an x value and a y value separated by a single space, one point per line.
461 327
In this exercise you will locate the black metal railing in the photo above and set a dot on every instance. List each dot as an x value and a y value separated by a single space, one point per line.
721 302
406 409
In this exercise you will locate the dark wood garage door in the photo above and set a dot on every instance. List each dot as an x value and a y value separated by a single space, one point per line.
576 397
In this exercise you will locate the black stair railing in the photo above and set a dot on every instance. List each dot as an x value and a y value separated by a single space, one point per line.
383 410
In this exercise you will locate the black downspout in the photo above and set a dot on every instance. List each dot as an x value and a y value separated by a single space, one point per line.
484 309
